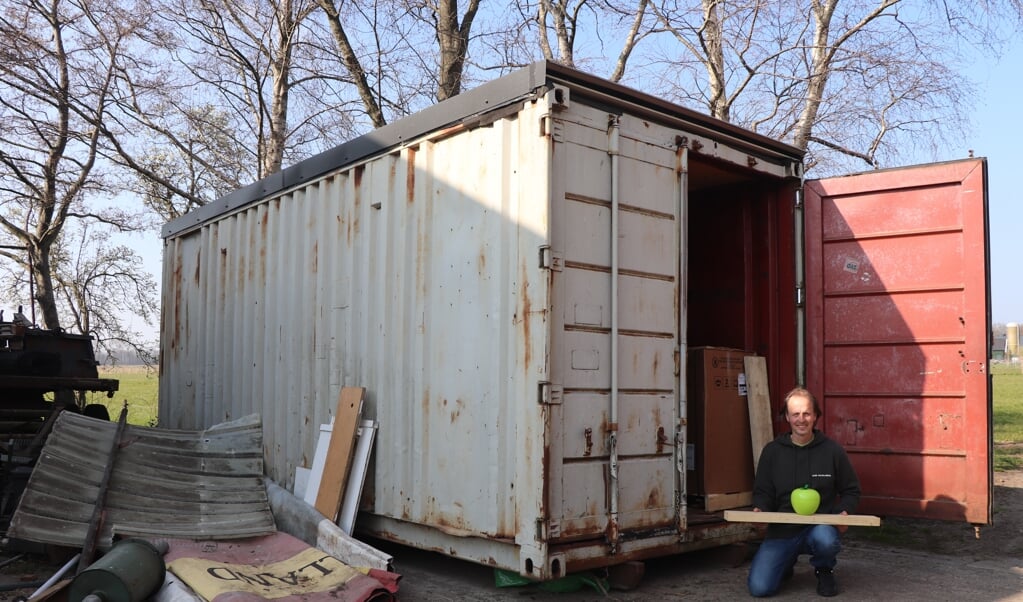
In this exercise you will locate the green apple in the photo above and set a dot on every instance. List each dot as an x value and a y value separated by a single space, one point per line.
805 500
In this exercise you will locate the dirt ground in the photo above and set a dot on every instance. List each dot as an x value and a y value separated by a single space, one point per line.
904 560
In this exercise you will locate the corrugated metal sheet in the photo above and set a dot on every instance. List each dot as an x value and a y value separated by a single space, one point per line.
164 483
374 277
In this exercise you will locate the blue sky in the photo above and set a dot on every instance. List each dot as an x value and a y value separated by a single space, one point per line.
998 136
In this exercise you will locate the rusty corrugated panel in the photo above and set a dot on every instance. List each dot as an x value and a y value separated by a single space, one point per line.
165 483
374 277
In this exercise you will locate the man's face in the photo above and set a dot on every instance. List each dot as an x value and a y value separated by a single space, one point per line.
800 416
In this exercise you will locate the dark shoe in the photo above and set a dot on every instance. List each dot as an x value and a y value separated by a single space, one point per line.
826 585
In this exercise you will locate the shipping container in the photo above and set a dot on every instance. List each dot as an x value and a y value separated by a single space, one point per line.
517 274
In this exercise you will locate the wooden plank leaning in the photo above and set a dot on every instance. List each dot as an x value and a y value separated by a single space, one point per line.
759 400
339 452
851 520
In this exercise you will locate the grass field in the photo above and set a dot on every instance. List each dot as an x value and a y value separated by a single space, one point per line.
1007 392
138 386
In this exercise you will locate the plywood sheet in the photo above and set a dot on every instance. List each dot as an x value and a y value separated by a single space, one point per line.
759 399
339 452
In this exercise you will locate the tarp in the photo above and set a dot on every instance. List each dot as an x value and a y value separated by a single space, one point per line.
273 567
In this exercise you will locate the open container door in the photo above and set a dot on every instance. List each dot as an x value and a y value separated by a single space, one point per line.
897 334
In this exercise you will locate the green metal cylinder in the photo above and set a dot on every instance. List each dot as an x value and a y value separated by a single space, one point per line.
131 571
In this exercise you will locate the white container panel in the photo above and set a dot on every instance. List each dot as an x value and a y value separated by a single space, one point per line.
413 274
648 177
646 421
645 304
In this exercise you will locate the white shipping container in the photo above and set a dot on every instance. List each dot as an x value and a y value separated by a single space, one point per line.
512 276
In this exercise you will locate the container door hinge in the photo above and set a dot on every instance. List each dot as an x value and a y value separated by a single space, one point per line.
547 530
549 260
549 393
551 127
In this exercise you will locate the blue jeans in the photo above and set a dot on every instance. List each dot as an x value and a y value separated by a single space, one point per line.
776 556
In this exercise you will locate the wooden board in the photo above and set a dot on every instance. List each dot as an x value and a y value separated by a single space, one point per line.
759 399
852 520
339 452
712 502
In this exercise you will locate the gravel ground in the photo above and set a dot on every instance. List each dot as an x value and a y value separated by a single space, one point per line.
905 560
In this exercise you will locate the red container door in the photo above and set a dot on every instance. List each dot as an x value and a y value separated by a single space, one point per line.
897 334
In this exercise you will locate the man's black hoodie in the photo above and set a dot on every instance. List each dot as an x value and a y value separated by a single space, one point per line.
822 464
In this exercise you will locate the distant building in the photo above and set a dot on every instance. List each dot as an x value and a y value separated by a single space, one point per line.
998 346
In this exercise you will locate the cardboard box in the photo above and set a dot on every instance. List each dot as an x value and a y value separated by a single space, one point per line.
718 427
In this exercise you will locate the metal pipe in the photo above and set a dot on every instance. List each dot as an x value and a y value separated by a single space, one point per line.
11 560
614 126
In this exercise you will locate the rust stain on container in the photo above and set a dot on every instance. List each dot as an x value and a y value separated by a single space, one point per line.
654 499
527 309
459 405
316 258
662 440
353 223
223 277
410 176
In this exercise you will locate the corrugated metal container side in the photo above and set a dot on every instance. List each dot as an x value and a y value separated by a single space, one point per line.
508 281
414 274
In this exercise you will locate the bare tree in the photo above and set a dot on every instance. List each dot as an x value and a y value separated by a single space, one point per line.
224 93
206 162
57 62
607 28
563 19
370 97
453 41
101 284
451 28
242 59
847 80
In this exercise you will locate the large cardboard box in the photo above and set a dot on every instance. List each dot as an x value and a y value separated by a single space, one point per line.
721 463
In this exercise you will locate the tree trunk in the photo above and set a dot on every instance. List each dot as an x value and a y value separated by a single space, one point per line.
713 45
820 68
352 64
453 41
44 295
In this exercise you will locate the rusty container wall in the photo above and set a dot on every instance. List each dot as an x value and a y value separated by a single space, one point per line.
465 275
413 274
